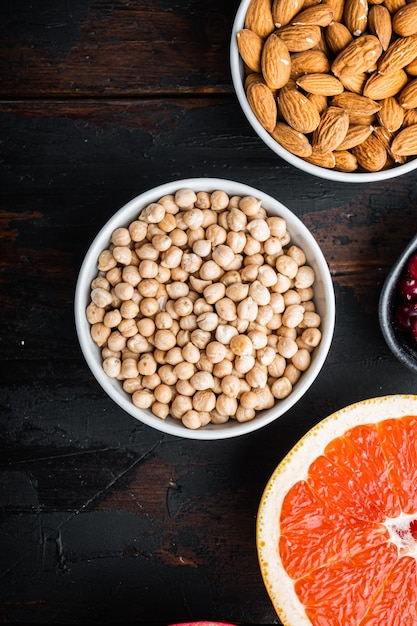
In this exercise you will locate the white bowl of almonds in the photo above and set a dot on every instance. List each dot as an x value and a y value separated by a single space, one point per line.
205 308
330 87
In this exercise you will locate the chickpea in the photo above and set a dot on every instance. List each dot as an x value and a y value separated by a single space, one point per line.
311 337
190 353
287 266
148 306
101 297
244 415
204 364
112 318
164 339
243 364
124 291
216 418
180 405
185 198
259 293
200 338
208 321
305 277
249 273
226 405
95 313
130 385
252 246
138 343
292 373
248 400
247 309
112 366
189 322
257 376
204 400
167 375
184 306
106 261
122 254
129 368
281 388
230 386
277 226
100 282
172 257
226 309
203 200
210 270
201 381
191 419
178 237
265 398
214 292
236 241
147 365
160 409
142 399
222 369
215 351
185 388
273 247
293 315
277 367
137 231
219 200
224 333
249 205
129 309
231 277
310 320
202 248
184 370
266 355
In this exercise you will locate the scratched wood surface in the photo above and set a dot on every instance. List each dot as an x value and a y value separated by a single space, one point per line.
104 520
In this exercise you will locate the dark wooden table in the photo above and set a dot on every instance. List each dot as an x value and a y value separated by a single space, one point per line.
104 520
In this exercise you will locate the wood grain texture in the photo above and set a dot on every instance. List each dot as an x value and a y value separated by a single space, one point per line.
102 519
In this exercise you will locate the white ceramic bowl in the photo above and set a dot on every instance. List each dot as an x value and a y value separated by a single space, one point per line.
324 300
238 75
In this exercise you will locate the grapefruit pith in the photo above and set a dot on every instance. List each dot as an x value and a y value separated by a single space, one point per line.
337 522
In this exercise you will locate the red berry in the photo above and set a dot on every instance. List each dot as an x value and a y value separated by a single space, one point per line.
404 315
412 266
407 288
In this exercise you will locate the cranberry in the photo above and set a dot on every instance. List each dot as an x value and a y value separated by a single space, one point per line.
407 288
404 314
412 266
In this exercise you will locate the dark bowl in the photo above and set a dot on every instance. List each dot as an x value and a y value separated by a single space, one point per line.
396 340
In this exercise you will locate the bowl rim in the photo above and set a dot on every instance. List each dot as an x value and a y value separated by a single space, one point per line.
90 351
237 73
398 345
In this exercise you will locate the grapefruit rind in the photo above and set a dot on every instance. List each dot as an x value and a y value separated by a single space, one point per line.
293 468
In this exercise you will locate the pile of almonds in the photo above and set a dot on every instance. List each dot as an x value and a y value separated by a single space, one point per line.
334 82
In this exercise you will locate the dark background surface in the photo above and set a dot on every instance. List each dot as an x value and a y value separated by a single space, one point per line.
104 520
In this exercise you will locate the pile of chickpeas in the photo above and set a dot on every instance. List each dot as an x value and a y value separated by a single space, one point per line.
203 308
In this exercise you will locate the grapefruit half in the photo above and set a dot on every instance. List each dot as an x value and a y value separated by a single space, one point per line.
337 522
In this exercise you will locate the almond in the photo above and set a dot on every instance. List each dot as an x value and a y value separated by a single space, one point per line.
320 84
407 97
380 86
322 160
405 143
345 161
371 154
292 140
358 56
331 131
394 5
338 8
404 21
320 14
399 54
391 114
355 103
355 16
386 137
309 61
410 117
284 10
250 46
298 111
337 36
259 18
379 23
275 62
299 38
263 105
355 82
355 135
319 101
411 68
